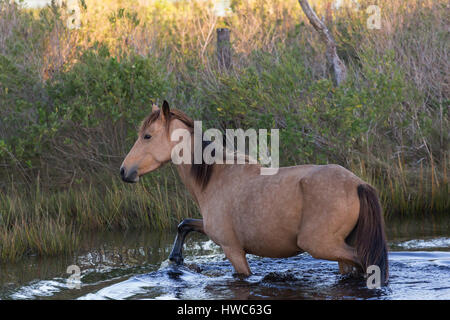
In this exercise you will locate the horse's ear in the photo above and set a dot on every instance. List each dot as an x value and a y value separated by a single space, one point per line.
154 107
165 114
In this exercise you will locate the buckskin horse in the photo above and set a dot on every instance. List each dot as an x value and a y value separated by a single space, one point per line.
324 210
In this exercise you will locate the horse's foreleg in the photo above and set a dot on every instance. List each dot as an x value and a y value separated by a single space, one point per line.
186 226
238 260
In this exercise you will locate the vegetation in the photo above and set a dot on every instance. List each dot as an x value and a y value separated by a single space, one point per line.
71 100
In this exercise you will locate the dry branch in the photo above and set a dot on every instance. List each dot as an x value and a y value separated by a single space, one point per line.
338 68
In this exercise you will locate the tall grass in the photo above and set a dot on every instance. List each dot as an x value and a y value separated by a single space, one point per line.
49 223
71 100
420 193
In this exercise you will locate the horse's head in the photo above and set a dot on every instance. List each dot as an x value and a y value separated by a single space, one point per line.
153 146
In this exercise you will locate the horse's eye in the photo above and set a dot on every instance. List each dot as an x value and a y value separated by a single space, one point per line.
147 136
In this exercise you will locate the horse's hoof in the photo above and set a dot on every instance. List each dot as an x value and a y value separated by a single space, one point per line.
176 259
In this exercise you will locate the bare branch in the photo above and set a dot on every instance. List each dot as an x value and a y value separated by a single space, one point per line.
337 66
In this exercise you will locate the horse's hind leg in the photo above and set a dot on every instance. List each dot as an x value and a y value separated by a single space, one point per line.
347 259
345 267
348 262
335 250
186 226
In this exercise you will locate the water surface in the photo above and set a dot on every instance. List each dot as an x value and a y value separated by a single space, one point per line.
133 265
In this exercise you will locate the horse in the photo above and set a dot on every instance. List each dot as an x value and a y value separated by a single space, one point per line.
324 210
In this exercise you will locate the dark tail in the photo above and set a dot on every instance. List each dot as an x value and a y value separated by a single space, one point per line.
369 237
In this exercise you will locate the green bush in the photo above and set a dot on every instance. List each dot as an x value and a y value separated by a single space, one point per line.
101 92
92 109
317 122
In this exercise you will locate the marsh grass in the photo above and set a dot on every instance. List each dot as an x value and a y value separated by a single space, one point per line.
50 222
421 193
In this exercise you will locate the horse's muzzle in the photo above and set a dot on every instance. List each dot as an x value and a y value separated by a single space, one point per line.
129 175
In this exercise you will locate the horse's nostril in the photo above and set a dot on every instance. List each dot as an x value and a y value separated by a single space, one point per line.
129 174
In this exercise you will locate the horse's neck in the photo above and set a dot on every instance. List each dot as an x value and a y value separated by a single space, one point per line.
194 188
219 172
222 175
184 170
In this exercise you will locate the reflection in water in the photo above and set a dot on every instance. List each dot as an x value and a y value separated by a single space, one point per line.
133 265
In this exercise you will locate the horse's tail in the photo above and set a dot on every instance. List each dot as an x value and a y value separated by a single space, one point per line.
369 238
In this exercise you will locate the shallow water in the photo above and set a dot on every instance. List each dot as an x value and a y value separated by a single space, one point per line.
134 265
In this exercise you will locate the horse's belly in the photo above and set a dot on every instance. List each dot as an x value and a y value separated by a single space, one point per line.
269 233
276 253
272 245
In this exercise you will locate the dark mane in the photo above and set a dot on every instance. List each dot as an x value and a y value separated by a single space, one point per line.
200 172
